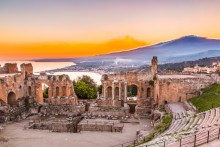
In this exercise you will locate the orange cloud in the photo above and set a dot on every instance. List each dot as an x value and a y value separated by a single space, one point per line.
63 50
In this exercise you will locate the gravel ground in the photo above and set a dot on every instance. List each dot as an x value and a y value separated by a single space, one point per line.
215 143
18 137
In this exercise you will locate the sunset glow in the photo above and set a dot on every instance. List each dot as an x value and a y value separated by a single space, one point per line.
53 28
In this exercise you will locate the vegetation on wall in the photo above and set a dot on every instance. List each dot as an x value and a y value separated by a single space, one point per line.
210 98
158 129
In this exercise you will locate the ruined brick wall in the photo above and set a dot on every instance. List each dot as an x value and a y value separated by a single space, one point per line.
100 127
179 89
25 84
154 62
145 88
143 81
128 76
26 69
13 84
109 103
9 68
59 86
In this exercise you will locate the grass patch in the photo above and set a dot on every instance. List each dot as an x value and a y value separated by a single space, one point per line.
209 99
158 129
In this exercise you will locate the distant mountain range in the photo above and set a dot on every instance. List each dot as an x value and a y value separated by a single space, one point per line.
187 48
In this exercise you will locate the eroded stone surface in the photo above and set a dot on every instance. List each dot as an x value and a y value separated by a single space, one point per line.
153 89
15 85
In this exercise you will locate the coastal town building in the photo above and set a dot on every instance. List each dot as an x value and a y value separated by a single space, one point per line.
198 69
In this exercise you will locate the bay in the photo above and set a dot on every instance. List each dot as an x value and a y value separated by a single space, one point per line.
42 66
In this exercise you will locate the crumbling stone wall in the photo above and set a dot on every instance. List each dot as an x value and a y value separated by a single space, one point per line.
26 69
11 84
9 68
56 125
59 86
100 127
143 81
179 88
16 84
154 63
65 110
153 88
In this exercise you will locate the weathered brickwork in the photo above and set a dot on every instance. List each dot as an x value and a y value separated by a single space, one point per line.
114 86
16 84
9 68
179 88
153 88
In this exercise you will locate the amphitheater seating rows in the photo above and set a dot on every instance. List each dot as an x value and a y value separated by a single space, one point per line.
186 124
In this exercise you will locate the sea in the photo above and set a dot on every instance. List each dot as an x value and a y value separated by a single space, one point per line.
42 66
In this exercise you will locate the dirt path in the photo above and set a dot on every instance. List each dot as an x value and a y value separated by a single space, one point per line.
18 137
177 107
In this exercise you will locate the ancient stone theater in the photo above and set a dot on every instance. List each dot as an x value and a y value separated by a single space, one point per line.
15 85
153 89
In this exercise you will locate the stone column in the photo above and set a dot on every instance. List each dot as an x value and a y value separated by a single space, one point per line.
113 90
119 90
140 89
104 90
125 90
97 95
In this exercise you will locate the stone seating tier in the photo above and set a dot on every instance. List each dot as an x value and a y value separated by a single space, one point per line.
186 124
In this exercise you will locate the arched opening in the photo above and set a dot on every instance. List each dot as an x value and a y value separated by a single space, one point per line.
132 92
57 91
109 92
132 107
45 89
165 102
64 91
11 99
39 109
29 91
180 99
148 92
116 93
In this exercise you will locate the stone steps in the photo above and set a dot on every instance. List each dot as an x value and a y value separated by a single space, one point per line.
183 125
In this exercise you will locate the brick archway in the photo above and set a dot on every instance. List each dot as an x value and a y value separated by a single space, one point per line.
40 90
63 90
116 93
148 92
11 99
132 90
109 92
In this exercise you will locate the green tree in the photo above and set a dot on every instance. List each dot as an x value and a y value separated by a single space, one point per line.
100 89
132 90
86 88
84 91
45 93
88 80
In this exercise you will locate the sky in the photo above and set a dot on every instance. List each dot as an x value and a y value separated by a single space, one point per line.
72 28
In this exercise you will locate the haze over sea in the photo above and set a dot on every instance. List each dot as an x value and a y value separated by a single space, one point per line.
42 66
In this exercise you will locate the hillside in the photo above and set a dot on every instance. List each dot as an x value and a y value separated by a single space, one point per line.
209 99
180 65
186 48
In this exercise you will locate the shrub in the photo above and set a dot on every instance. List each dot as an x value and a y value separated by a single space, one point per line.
158 129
